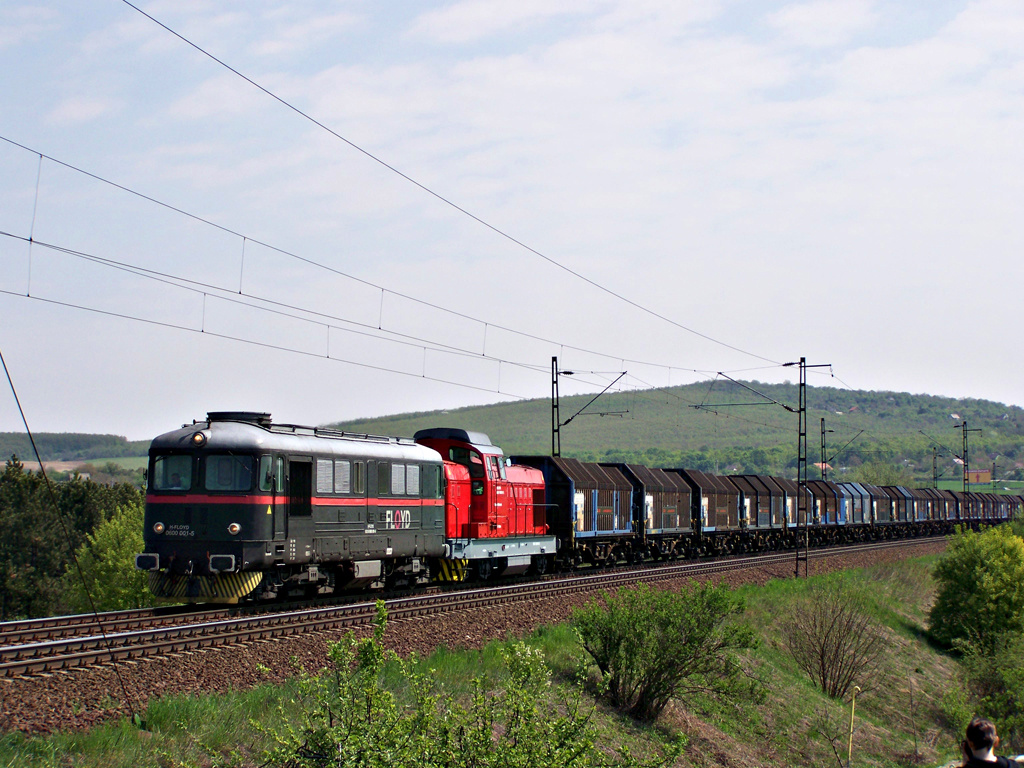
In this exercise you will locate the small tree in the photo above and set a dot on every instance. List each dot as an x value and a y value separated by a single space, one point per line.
107 559
834 640
653 645
981 588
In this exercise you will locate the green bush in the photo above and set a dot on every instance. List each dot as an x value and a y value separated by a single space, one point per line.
980 588
996 681
653 645
350 716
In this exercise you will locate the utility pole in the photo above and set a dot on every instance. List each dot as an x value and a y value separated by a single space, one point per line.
824 456
802 542
967 463
801 473
556 422
935 467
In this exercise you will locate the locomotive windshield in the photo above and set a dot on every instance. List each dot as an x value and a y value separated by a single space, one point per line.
171 473
225 472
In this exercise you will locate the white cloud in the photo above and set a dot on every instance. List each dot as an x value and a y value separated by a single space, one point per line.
80 110
23 24
292 35
472 20
824 23
222 97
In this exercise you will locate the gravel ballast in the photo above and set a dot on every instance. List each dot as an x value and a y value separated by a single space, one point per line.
79 699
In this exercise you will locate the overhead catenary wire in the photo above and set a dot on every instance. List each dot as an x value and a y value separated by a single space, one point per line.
263 344
248 238
447 201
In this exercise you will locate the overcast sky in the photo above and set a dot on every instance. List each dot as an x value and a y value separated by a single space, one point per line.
666 188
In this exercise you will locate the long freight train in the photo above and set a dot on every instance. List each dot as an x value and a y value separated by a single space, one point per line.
240 507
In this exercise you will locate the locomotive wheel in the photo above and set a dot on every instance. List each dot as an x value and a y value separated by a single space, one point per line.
540 565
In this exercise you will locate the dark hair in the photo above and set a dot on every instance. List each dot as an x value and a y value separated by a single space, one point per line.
981 733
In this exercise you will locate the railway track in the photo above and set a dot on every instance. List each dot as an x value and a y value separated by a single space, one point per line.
45 646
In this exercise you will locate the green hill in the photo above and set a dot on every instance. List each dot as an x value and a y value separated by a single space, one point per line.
61 446
663 428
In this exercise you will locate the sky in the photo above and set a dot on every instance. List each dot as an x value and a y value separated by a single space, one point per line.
336 210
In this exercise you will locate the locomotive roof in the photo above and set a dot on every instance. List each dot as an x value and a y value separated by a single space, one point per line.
243 431
478 440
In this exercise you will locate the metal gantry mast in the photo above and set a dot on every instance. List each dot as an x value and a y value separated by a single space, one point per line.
802 512
802 542
556 421
966 456
824 455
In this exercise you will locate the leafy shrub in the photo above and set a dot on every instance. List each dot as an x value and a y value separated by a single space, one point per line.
653 645
980 588
349 716
834 640
996 681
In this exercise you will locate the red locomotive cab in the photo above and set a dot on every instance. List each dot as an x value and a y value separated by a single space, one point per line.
503 501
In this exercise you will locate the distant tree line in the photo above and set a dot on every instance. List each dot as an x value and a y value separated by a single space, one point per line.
59 446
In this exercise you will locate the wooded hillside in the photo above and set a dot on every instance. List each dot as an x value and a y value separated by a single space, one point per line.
663 428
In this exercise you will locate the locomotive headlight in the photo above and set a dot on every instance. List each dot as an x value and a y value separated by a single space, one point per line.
234 528
198 439
159 528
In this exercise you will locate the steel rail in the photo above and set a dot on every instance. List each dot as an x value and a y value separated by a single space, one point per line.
92 650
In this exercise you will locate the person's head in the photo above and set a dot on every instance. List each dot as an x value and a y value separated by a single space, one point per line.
981 735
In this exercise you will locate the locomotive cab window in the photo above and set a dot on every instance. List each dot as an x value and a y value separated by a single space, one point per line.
228 473
495 468
432 482
358 478
272 474
468 458
171 473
